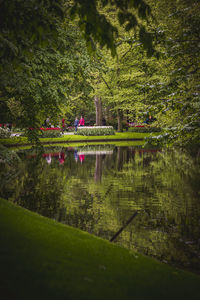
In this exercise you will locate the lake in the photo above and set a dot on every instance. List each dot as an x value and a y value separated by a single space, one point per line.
99 188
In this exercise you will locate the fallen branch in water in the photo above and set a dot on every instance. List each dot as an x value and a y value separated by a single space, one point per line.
123 227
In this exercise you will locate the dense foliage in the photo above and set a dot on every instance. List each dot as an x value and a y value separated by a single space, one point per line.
50 134
134 86
178 34
53 63
4 133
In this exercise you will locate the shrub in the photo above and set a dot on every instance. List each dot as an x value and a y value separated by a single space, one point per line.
70 129
4 133
50 133
17 129
112 123
7 156
125 125
145 129
95 131
157 141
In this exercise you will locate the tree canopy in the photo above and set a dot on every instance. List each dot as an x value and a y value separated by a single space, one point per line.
43 56
167 87
56 55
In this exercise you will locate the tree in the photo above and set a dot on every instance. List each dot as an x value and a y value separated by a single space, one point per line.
177 33
34 34
98 28
167 87
47 80
31 40
126 82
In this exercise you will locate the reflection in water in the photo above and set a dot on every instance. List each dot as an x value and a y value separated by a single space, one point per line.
98 190
98 168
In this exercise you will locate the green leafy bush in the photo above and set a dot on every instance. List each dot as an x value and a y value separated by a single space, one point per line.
7 156
95 131
145 129
166 138
112 123
70 129
50 133
125 125
4 133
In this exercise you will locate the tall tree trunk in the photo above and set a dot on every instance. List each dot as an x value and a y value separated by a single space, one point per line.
108 114
119 120
98 105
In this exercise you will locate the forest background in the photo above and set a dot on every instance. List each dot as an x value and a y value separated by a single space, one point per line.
128 59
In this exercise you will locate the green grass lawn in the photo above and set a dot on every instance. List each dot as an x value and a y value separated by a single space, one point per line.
75 138
120 143
43 259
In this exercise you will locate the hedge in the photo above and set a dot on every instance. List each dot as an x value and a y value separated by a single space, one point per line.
145 129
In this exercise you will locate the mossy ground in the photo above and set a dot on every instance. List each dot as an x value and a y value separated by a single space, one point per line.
43 259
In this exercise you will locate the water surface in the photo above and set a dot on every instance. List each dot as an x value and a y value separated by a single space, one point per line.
98 188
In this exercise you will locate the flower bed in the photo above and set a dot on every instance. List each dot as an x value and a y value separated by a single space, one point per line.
50 128
50 132
46 129
137 124
95 130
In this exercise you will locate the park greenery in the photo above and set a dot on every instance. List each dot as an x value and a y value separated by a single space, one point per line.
116 63
110 185
51 260
45 254
124 59
118 136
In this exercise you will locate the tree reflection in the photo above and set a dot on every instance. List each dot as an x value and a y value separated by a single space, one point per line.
100 194
98 168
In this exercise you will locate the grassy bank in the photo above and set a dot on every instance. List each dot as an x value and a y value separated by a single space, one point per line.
42 259
77 138
122 143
